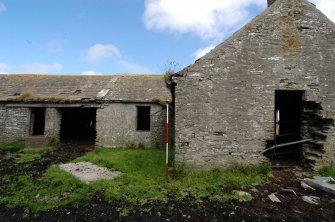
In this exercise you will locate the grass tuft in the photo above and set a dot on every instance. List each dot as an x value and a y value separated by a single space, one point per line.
326 171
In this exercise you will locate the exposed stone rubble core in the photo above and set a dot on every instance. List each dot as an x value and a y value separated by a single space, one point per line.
89 172
317 127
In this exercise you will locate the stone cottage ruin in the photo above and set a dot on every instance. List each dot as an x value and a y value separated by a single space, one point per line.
267 90
111 111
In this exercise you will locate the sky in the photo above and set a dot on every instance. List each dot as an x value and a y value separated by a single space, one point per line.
118 36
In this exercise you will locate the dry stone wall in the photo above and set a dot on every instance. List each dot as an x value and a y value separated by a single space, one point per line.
2 121
116 126
14 123
53 118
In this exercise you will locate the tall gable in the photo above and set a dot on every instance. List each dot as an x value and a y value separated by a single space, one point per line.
225 102
287 25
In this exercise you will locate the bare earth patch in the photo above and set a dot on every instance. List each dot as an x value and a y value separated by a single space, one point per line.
89 172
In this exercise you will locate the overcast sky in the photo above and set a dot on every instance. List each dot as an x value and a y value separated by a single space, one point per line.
118 36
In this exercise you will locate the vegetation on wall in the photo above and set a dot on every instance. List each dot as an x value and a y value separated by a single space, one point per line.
170 69
27 96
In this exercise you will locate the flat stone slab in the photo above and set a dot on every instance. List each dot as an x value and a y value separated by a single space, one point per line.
274 198
89 172
323 183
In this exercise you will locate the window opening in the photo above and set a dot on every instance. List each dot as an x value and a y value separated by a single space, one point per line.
143 118
277 122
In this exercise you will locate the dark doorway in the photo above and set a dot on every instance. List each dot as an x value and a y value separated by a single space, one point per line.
38 121
78 125
143 118
288 108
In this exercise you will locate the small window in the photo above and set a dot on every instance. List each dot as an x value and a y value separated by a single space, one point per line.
143 118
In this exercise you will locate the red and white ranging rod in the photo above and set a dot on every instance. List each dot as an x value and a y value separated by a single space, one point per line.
167 142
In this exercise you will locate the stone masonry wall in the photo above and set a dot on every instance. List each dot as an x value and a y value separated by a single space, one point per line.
2 121
225 101
116 126
14 123
53 117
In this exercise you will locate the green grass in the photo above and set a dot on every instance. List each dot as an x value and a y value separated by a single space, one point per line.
143 173
144 176
143 180
54 189
327 171
28 155
11 146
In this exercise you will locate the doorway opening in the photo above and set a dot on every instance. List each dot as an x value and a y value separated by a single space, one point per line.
287 142
78 126
37 121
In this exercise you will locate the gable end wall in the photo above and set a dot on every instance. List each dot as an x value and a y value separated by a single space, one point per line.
225 101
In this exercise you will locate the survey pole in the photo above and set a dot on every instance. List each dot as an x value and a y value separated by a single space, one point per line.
167 143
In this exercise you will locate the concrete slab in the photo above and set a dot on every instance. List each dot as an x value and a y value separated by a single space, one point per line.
89 172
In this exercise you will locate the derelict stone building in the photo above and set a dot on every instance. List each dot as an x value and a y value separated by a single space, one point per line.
111 111
268 89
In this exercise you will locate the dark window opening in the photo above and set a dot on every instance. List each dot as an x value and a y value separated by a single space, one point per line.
287 115
38 121
78 125
143 118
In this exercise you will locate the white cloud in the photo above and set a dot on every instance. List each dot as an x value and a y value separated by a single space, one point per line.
100 52
39 68
133 68
4 68
202 51
208 19
327 7
90 72
2 7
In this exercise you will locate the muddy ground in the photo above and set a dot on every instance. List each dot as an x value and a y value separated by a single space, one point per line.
261 208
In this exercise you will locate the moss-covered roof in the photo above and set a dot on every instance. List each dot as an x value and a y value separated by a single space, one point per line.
81 88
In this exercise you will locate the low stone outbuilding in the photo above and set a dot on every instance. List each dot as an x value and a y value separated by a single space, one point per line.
267 90
111 110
